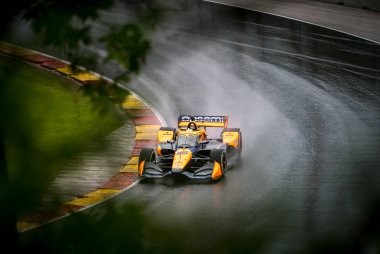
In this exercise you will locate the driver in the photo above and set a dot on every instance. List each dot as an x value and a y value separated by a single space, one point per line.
192 126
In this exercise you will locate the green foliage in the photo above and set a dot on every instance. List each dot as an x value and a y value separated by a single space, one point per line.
67 25
62 23
131 228
101 92
37 132
126 45
115 231
46 120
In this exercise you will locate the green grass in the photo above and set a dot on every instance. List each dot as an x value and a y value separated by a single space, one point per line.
47 119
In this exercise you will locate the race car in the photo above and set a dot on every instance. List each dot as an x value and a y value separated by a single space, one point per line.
188 151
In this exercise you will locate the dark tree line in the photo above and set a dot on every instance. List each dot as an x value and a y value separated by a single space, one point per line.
66 25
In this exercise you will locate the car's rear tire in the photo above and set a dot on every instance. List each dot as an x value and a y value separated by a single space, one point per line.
218 155
240 142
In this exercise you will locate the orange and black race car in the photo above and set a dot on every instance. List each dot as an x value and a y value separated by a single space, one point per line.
188 151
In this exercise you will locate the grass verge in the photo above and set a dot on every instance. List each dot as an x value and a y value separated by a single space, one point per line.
46 119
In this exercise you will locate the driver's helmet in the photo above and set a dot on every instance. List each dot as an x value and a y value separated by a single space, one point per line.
192 126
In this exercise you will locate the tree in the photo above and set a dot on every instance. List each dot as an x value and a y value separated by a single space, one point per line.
65 25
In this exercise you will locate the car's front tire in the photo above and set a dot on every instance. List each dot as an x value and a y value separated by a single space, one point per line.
218 155
146 155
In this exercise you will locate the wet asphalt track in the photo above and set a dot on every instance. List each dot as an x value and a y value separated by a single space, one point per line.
307 101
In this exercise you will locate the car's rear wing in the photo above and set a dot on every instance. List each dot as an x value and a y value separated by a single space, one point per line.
203 121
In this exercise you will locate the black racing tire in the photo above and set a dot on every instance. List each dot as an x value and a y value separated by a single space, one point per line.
240 142
147 155
219 156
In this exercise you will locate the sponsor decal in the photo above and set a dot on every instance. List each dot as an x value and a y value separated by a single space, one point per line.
182 152
212 119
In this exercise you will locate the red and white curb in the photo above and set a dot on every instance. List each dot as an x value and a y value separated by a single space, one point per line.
146 120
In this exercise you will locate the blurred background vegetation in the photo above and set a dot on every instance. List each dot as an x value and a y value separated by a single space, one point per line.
44 120
48 120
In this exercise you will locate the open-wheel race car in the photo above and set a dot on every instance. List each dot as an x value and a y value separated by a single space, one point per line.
189 152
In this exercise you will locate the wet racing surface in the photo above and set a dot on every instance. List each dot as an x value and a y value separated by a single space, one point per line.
307 102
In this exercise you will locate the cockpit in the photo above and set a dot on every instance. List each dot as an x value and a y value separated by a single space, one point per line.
188 140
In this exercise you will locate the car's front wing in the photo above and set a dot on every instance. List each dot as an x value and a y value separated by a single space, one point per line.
152 170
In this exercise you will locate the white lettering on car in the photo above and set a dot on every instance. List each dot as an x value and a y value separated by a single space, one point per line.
213 119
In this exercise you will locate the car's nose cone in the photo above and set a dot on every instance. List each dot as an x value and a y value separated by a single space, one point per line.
176 170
